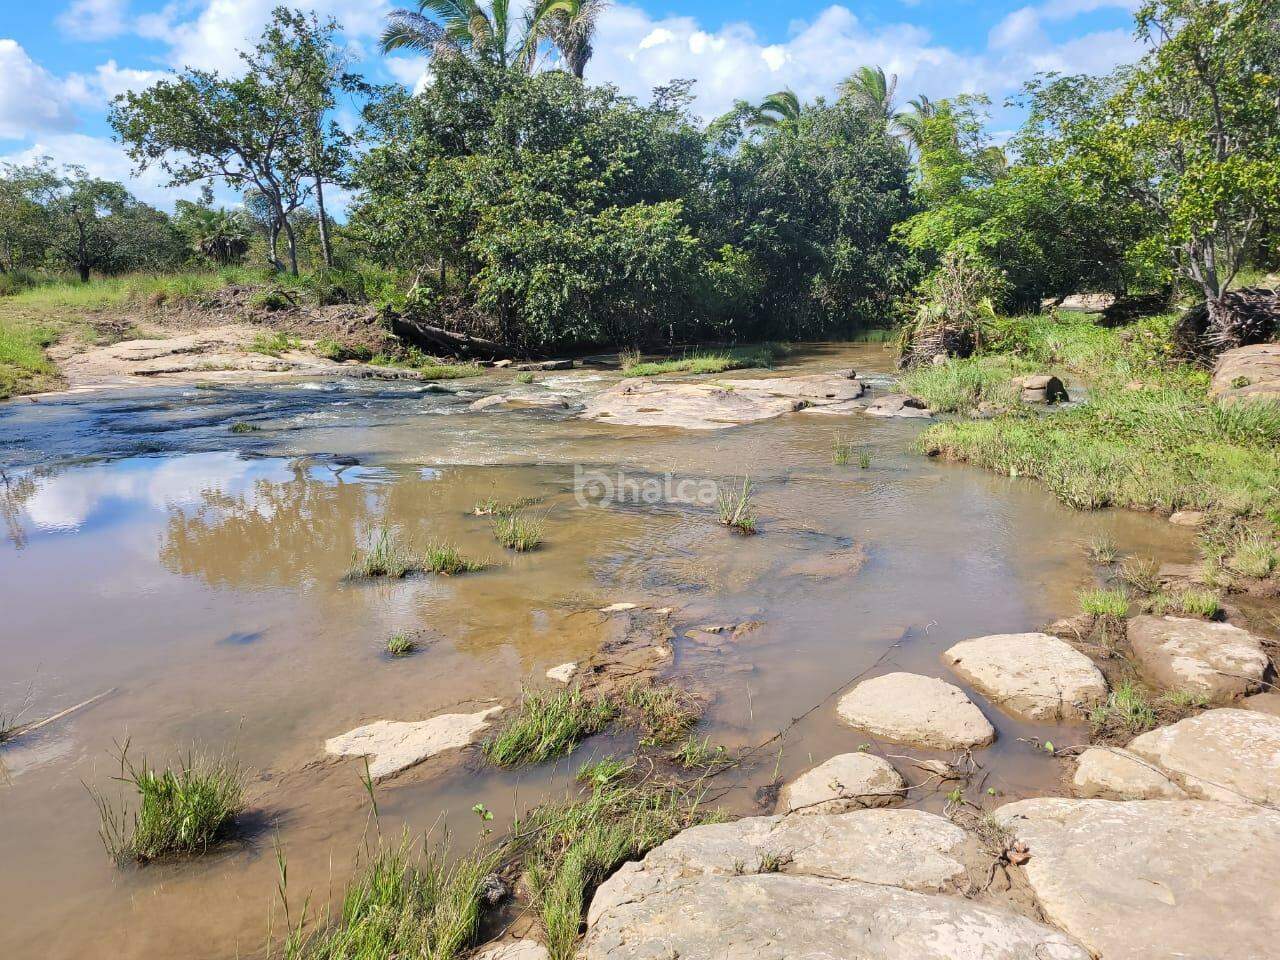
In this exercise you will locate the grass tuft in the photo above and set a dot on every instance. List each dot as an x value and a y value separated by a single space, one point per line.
492 506
1128 712
1102 549
841 450
549 726
182 810
385 557
1104 603
518 532
273 344
444 558
702 362
734 509
399 645
666 712
1141 574
1254 556
1191 602
695 754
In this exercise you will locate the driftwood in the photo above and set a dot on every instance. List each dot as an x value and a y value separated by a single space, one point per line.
36 725
446 341
1244 317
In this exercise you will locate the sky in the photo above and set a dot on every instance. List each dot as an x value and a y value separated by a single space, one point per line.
62 62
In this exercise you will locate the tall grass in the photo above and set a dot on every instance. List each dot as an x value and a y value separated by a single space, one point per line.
181 810
958 386
444 558
734 510
519 532
24 368
548 726
384 557
702 362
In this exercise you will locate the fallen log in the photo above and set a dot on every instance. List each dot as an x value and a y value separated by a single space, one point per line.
446 341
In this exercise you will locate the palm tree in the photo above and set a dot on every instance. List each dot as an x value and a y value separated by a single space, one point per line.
570 25
781 109
911 125
444 27
872 91
221 235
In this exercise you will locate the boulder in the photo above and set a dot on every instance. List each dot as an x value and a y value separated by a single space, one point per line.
1115 774
1154 879
1227 755
690 406
1032 675
393 746
1263 703
843 409
1248 375
563 673
1188 518
1216 659
513 950
487 403
913 709
898 405
1040 388
857 885
849 781
545 365
817 388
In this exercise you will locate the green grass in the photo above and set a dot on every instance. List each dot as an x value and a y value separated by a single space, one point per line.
524 378
958 386
241 426
569 848
1141 574
384 557
274 343
1104 603
433 368
704 362
492 506
665 712
549 726
695 754
841 450
733 508
444 558
399 645
182 810
1102 549
24 368
1128 711
519 532
1255 556
426 906
1191 602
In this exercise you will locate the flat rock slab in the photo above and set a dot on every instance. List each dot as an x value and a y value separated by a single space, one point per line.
850 781
1110 773
1032 675
394 745
1227 755
515 950
1263 703
1216 659
1154 879
916 709
899 405
1248 375
817 388
563 673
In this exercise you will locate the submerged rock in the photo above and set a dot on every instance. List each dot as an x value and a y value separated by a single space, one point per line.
1188 518
1154 879
850 781
1030 674
393 745
898 405
916 709
1227 755
1114 774
802 888
1215 659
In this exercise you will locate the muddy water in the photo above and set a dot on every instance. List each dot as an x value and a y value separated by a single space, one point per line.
198 573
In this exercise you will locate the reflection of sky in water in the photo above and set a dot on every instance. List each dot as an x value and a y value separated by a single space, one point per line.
82 498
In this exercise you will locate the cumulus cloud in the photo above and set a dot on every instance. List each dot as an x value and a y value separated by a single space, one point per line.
95 19
108 81
32 100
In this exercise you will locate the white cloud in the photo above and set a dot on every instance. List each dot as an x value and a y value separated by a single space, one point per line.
95 19
108 81
32 100
636 52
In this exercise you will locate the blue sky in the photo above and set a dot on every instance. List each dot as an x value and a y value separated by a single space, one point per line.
61 62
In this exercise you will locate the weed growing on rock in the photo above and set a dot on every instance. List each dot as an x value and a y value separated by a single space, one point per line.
182 810
548 726
1128 711
1191 602
734 509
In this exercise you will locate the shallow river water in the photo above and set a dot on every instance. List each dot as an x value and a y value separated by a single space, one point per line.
199 574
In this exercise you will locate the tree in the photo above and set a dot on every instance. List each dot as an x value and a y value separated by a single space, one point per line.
571 25
779 109
220 235
26 223
446 27
870 90
254 132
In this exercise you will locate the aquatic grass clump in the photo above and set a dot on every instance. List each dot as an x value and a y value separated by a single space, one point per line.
518 532
1191 602
400 645
841 450
444 558
1102 549
385 557
426 907
704 362
524 377
733 508
548 726
182 810
666 712
1141 574
492 506
1104 602
695 754
243 427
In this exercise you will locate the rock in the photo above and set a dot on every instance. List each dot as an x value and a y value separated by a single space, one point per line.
1040 388
987 410
827 566
846 888
898 405
1072 628
1188 518
1175 572
514 950
849 781
1216 659
814 387
618 607
1228 755
691 406
1082 302
486 403
563 673
502 364
1154 879
1031 675
915 709
844 408
1263 703
545 365
1247 375
394 745
1115 774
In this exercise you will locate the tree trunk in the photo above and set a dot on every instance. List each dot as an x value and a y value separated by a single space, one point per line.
82 254
326 250
293 246
274 242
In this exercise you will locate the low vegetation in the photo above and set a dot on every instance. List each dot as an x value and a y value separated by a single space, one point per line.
274 343
841 450
733 508
385 557
1189 602
518 531
665 712
492 506
695 754
181 810
432 368
549 725
444 558
1102 549
400 645
1104 602
1129 711
701 362
960 386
